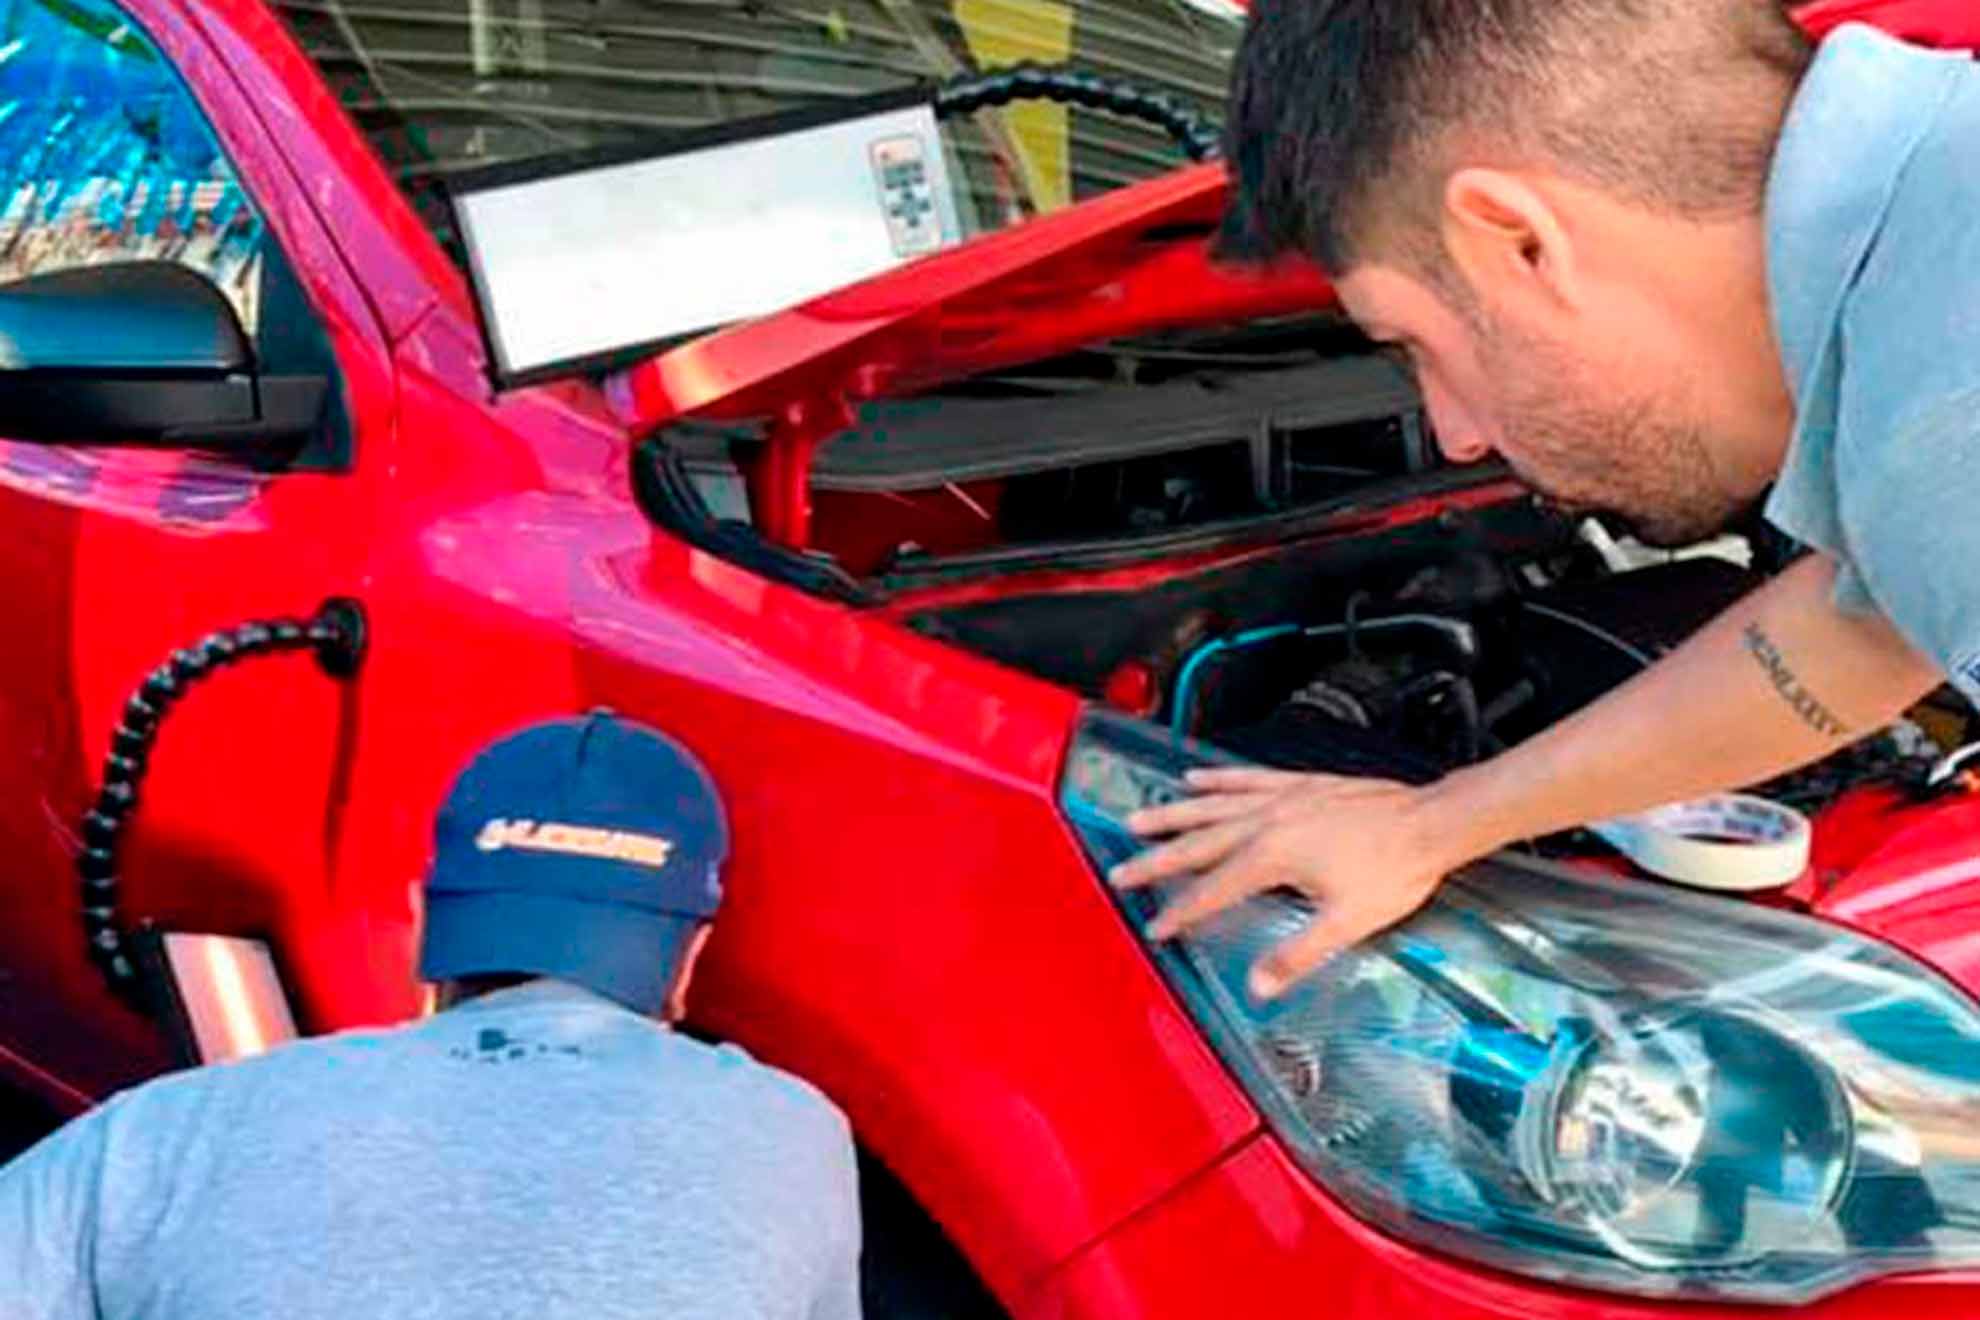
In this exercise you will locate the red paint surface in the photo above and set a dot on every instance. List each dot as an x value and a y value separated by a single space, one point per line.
1954 23
1919 887
864 530
910 924
1253 1236
1134 259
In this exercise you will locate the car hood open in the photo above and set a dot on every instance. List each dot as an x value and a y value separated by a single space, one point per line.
1131 261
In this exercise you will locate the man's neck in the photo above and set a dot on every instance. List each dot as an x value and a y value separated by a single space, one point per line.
1719 287
463 989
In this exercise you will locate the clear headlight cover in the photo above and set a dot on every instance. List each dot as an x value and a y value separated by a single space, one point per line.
1616 1085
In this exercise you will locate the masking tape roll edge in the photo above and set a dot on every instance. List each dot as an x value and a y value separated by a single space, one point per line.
1769 843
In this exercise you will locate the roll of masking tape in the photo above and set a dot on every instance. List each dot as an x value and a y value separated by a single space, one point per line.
1729 841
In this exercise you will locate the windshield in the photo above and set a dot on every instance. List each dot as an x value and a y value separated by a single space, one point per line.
447 85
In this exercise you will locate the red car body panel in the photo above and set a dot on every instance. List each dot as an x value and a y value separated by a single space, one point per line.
282 97
910 923
1301 1251
1130 260
1950 23
1918 886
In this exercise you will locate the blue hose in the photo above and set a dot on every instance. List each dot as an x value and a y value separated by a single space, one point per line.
1186 680
1461 636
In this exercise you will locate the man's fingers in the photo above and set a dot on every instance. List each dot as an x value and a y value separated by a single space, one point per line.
1231 883
1328 933
1190 813
1243 779
1192 852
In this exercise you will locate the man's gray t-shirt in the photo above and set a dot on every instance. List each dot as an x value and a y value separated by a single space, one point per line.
538 1152
1873 244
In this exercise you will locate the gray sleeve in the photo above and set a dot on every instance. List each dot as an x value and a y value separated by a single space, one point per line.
1911 512
48 1202
1852 593
838 1299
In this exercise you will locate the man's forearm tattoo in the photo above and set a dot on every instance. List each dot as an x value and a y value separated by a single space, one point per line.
1812 712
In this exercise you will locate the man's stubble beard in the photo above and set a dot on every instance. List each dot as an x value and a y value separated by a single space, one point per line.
1580 442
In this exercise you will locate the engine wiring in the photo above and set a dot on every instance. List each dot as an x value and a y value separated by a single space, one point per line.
1634 652
1462 636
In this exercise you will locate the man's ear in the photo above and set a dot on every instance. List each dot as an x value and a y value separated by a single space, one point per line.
676 1006
1507 239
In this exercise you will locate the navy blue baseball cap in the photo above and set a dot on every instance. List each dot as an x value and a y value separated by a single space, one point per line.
586 849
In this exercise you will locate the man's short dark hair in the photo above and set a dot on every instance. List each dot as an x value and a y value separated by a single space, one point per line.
1347 116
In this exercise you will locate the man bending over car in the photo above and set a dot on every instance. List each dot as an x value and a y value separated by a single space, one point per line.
1661 256
545 1147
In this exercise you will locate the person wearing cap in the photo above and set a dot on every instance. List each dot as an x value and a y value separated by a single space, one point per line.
544 1146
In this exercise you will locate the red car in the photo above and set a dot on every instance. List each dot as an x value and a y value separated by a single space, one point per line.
932 571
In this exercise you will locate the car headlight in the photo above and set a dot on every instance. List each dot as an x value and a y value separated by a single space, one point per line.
1618 1085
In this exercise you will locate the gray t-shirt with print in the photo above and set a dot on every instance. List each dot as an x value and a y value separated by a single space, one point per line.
1874 265
537 1152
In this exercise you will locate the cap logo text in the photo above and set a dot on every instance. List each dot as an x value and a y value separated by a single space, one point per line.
574 840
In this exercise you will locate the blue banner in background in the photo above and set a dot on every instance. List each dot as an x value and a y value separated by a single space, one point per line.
104 156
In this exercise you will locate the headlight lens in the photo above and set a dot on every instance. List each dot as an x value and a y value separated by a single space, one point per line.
1618 1085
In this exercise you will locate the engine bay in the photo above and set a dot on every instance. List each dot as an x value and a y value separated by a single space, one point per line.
1456 665
1366 607
1408 652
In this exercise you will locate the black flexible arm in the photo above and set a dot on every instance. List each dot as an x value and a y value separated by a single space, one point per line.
336 633
1035 82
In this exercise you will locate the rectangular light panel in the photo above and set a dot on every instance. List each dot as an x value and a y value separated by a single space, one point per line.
605 259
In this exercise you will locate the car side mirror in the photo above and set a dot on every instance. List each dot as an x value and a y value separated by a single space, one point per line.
142 353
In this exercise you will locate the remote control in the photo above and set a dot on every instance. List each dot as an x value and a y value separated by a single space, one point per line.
906 196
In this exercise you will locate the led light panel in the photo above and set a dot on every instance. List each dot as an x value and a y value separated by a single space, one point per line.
583 263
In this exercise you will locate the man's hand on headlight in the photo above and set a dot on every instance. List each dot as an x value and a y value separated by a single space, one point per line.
1734 705
1361 849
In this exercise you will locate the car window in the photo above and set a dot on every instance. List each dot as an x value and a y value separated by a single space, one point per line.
105 157
445 85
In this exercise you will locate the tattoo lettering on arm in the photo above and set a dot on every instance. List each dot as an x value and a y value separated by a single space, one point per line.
1812 712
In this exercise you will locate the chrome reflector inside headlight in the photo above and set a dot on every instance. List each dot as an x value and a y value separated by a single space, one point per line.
1614 1084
